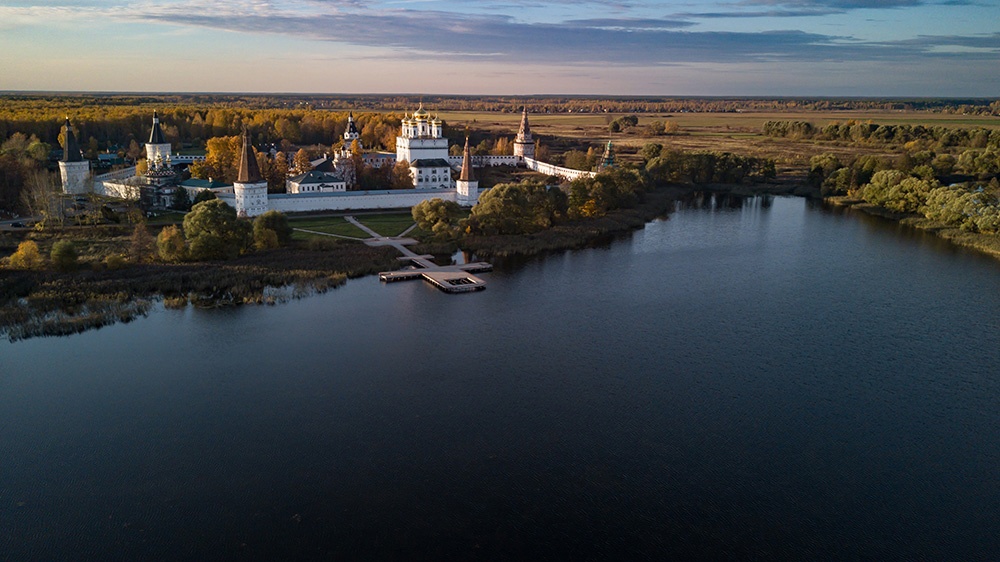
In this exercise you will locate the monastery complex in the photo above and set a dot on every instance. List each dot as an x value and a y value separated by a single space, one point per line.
420 143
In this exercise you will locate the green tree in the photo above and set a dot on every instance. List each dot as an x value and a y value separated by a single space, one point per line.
203 195
180 200
517 208
27 256
215 232
276 222
265 239
170 244
63 255
439 217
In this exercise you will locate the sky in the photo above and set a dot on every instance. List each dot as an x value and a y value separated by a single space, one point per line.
905 48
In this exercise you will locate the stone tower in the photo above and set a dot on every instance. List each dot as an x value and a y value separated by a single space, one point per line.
73 169
250 189
157 149
467 187
524 145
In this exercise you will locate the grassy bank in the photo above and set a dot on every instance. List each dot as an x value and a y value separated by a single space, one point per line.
576 234
35 303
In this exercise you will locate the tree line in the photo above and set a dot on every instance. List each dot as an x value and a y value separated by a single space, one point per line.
868 133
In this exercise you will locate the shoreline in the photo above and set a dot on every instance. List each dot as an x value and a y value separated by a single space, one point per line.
986 244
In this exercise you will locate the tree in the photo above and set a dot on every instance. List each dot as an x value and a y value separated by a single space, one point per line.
222 160
40 197
180 200
402 176
27 256
302 162
517 208
265 239
140 244
276 222
170 244
439 217
63 255
215 232
203 195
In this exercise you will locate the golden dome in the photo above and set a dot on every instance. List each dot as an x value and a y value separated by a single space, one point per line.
421 113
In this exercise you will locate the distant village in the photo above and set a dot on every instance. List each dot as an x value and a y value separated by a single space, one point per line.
324 187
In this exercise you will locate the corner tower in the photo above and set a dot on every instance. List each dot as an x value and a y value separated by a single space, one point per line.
524 144
157 149
250 189
73 169
467 187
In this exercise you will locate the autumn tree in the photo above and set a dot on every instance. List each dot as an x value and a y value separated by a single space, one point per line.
27 256
402 176
301 161
222 160
141 244
170 244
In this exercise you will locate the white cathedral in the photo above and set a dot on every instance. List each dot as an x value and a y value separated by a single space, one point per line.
421 144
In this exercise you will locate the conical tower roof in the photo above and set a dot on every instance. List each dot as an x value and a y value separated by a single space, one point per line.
71 150
467 174
156 135
249 171
525 131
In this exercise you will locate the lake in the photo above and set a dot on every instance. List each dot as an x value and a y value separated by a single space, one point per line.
758 378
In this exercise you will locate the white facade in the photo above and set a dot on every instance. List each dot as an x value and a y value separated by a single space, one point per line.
421 139
250 199
74 176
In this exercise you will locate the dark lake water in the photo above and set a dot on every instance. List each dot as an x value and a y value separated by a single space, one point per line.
754 379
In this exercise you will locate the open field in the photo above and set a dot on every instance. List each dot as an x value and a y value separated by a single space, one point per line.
731 132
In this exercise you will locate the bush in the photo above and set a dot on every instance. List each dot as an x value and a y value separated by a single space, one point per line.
63 255
114 261
276 222
170 244
265 238
27 256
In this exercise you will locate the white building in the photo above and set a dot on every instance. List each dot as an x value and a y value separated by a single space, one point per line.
316 181
422 144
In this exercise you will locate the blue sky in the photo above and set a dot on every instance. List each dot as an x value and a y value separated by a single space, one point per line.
619 47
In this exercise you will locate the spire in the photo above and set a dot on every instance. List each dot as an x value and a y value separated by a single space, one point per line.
524 133
156 135
249 171
71 150
467 174
608 159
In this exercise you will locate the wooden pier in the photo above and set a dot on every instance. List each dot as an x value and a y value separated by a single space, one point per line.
448 278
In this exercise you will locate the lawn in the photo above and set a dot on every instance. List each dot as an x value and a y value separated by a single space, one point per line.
329 225
392 224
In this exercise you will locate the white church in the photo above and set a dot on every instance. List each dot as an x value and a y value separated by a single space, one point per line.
421 144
